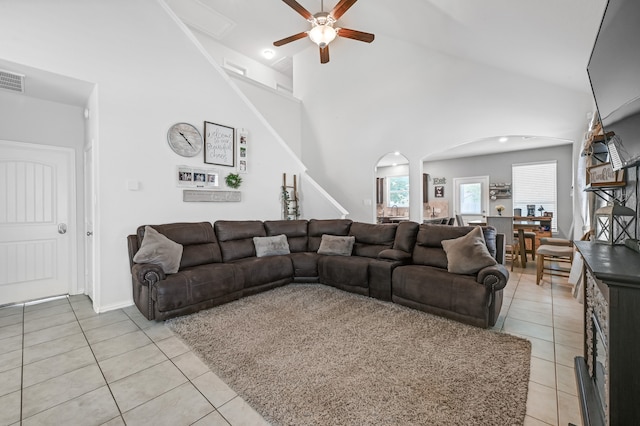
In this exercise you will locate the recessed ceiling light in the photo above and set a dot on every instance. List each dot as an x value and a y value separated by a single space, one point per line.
503 139
394 164
397 153
268 53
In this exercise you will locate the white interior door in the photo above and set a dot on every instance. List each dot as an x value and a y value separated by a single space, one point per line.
37 221
88 222
471 198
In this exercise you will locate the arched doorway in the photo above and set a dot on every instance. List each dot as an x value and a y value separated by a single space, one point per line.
392 188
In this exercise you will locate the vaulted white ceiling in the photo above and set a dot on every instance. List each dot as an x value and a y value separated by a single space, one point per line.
549 40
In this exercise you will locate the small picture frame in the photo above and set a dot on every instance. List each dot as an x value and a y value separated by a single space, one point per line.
185 176
212 179
438 191
191 177
219 144
243 150
547 214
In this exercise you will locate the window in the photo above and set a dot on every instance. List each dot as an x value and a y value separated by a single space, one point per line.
398 191
471 198
535 184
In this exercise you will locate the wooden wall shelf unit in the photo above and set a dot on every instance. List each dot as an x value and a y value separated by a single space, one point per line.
499 190
607 375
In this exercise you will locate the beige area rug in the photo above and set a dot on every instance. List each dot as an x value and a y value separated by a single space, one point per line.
315 355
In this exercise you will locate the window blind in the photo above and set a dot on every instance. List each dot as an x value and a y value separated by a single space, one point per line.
536 184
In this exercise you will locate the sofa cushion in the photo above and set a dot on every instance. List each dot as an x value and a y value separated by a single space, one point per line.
467 254
236 238
371 239
295 230
320 227
198 240
406 236
271 246
344 272
428 249
258 271
197 284
305 264
441 290
333 245
159 250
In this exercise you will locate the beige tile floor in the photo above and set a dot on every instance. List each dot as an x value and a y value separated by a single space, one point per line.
62 364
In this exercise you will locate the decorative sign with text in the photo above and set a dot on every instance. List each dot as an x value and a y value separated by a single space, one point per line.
219 144
604 175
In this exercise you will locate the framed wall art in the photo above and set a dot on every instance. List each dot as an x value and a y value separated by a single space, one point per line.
219 144
243 150
439 191
194 177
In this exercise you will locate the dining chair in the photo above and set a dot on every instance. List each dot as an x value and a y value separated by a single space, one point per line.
504 225
552 256
459 220
531 236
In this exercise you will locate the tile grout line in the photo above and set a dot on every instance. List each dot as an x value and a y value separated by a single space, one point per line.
215 409
98 364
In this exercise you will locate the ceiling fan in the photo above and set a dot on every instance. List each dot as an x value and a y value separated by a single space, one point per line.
322 31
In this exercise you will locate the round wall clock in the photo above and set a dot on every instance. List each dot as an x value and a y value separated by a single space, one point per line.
184 139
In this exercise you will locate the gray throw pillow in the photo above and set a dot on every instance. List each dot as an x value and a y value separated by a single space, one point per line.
271 246
468 254
334 245
159 250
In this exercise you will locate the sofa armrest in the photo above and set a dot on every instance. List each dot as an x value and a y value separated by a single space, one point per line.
495 277
394 254
148 274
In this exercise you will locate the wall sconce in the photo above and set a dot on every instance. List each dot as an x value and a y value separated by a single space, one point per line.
611 225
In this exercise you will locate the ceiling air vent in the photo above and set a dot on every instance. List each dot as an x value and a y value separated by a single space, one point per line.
11 81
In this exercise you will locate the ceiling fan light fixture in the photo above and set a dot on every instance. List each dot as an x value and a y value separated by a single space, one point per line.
322 35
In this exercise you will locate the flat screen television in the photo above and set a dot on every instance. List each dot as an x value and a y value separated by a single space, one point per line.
614 72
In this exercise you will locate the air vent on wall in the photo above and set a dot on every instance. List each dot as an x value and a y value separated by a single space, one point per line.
11 81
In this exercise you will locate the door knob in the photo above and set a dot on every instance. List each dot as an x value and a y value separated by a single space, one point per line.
62 228
89 233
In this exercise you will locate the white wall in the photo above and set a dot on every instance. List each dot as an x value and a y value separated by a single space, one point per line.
31 120
255 70
149 75
283 111
404 97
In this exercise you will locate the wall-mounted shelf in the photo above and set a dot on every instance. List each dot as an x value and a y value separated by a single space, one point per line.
499 190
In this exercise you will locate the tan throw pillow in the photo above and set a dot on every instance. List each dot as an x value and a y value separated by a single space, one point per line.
334 245
159 250
271 246
468 254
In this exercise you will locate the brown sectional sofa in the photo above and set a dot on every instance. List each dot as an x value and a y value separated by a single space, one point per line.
404 263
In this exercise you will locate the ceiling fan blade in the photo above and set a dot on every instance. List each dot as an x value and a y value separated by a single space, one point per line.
293 4
341 8
356 35
324 55
290 39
